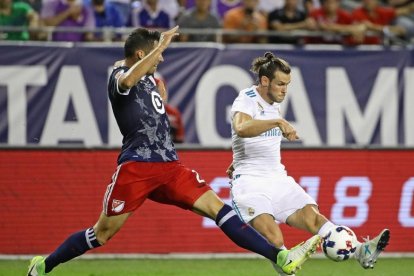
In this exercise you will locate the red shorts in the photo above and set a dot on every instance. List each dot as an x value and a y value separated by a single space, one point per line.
164 182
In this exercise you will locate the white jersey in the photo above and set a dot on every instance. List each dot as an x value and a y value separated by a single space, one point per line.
261 154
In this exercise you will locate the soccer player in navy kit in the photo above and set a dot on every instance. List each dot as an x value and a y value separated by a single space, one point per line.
149 167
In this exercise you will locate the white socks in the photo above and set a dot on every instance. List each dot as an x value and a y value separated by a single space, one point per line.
324 230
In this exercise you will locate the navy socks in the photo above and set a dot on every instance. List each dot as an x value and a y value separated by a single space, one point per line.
244 235
72 247
239 232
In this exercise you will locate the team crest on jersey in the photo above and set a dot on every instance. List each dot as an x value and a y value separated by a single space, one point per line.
117 205
261 109
157 102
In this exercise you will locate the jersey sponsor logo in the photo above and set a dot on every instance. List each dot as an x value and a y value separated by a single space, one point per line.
157 102
117 205
272 132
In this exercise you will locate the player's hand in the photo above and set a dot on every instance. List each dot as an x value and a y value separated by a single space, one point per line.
230 171
288 131
166 37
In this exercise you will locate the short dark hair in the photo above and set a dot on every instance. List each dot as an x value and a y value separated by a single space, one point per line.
268 65
140 39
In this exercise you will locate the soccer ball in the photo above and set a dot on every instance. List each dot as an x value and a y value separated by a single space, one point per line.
339 244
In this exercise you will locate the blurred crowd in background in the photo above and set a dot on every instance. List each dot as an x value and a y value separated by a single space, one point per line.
349 22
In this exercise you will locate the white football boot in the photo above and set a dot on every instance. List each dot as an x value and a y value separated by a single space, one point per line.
368 251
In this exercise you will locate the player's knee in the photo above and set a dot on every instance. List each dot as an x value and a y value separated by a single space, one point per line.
209 204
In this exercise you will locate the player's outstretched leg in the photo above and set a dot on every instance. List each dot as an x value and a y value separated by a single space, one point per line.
245 236
368 251
74 246
78 243
291 260
210 205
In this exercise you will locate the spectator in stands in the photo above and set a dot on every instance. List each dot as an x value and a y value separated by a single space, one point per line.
124 9
310 5
266 6
68 13
383 20
150 15
106 15
17 14
338 25
404 19
289 18
221 7
35 4
174 8
199 18
245 18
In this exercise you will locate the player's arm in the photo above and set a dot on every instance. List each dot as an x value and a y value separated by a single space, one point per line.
142 66
245 126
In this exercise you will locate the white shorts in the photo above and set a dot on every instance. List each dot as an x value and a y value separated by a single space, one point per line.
279 196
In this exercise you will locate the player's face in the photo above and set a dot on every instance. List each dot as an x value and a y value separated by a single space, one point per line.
161 59
278 87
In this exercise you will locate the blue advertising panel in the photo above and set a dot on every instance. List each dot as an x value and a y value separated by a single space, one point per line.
56 94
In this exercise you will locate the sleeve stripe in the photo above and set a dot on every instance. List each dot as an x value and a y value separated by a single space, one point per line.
124 93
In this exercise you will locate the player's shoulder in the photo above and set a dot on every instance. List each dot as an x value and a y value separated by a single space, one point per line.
118 70
248 94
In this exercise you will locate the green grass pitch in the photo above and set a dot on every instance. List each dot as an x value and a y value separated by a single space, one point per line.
215 267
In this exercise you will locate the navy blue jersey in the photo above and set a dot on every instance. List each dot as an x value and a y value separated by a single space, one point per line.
142 119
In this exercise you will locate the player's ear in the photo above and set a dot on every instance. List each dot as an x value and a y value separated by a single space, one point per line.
264 81
140 54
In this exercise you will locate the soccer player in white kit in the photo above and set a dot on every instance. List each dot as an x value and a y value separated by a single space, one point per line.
261 189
